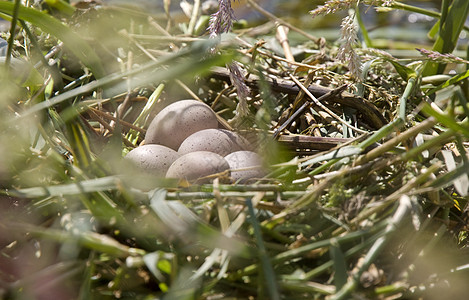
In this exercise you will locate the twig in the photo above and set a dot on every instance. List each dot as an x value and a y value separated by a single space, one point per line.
219 95
395 141
110 128
318 103
301 94
195 14
273 56
159 38
123 107
283 40
280 21
112 118
369 111
305 106
158 26
311 142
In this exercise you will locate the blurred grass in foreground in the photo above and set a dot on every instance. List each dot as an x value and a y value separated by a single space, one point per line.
380 216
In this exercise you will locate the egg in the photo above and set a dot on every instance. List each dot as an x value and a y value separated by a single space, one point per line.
153 159
194 165
245 159
174 123
219 141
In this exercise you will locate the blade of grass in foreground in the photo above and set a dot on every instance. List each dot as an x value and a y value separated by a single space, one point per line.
446 120
188 227
450 30
142 118
49 24
198 63
13 22
354 279
79 187
92 240
302 250
340 265
268 270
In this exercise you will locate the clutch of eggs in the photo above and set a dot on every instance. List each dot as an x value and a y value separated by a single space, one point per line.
183 141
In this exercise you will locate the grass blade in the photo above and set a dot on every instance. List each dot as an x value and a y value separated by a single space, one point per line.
446 120
352 283
49 24
340 267
460 183
268 270
91 240
153 74
76 188
188 227
448 37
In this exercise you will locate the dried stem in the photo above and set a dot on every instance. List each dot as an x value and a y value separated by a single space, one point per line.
280 21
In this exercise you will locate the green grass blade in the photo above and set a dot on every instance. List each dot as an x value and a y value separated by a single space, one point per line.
401 212
297 252
405 72
451 177
190 228
79 187
268 270
79 143
450 29
86 285
340 266
49 24
446 120
349 253
13 23
62 6
336 154
91 240
301 251
447 83
142 118
382 133
363 30
194 65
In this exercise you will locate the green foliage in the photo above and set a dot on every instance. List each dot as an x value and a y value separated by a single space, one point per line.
348 210
451 24
72 41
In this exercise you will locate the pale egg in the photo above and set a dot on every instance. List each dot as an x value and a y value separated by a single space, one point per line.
195 165
219 141
177 121
153 159
249 163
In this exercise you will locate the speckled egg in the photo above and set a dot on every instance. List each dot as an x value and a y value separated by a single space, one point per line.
197 164
177 121
153 159
219 141
245 159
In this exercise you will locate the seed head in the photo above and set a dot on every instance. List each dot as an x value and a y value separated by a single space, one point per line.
346 51
445 58
222 20
332 6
